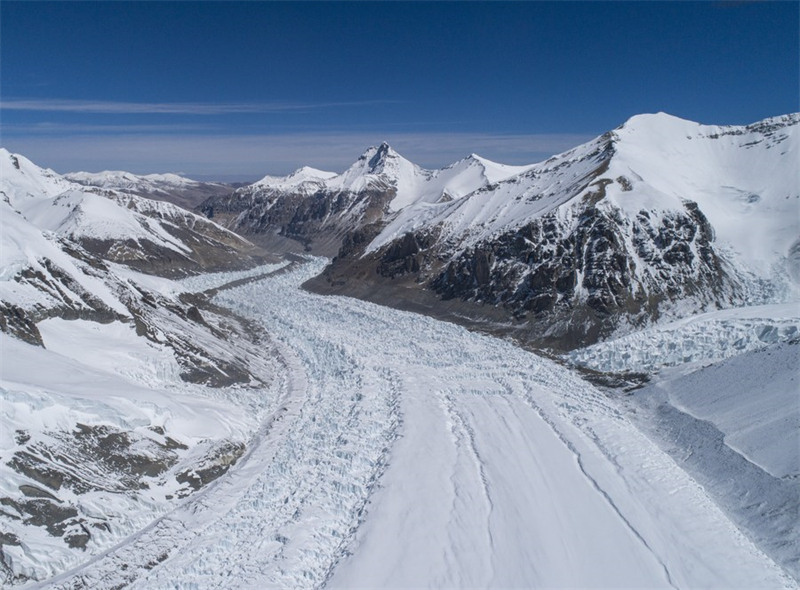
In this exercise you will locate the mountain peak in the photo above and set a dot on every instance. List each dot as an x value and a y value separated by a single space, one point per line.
376 157
305 174
481 161
659 123
378 160
309 173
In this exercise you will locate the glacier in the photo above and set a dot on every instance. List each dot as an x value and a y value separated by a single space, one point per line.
400 451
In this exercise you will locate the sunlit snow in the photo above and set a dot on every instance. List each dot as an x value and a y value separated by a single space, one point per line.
409 452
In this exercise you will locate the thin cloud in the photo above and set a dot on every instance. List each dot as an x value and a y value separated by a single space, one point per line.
170 108
68 129
253 156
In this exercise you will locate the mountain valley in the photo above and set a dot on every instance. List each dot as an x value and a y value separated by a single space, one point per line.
209 386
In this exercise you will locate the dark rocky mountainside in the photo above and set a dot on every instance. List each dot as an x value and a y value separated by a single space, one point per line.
303 212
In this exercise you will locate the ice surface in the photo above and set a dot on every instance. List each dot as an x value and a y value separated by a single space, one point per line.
207 281
410 452
702 338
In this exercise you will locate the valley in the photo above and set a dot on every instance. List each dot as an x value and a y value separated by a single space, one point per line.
476 376
405 447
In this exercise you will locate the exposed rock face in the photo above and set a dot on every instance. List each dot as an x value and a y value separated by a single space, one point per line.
578 279
312 222
558 283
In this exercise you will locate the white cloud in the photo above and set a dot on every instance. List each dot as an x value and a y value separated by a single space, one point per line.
176 108
252 156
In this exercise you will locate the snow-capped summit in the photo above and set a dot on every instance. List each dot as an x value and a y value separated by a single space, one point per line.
319 207
382 167
743 178
301 176
377 157
307 172
470 174
21 179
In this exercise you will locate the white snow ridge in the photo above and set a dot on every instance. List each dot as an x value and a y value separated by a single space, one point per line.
170 419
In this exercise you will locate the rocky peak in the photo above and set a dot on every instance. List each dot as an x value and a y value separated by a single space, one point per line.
377 158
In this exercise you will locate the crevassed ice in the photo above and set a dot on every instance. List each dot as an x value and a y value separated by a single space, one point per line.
204 282
708 338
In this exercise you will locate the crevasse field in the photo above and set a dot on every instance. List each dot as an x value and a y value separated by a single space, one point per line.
399 451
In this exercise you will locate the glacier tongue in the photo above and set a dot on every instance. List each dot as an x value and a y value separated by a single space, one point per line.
411 452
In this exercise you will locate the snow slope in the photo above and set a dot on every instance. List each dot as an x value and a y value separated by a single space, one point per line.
105 380
753 400
734 426
416 454
722 398
744 179
382 167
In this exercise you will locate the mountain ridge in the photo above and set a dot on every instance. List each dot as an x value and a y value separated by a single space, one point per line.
158 382
658 216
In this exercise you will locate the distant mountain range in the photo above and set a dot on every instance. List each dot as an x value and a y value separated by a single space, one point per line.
660 216
163 187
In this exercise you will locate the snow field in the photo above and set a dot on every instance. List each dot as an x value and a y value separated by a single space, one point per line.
41 403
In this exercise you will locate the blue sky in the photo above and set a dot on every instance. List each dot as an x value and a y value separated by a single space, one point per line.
238 90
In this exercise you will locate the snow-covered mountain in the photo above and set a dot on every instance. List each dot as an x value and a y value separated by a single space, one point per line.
116 225
163 187
320 209
233 430
71 251
659 217
98 351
